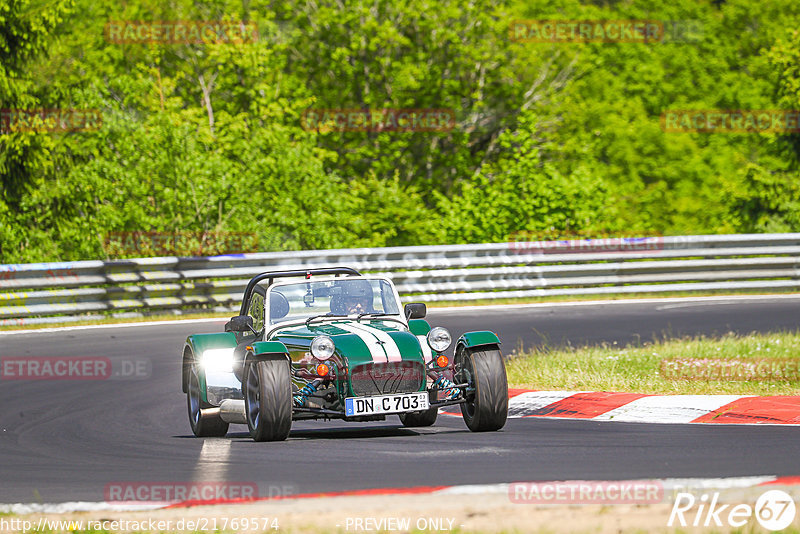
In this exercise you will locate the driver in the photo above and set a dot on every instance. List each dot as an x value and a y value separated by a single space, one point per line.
357 297
356 304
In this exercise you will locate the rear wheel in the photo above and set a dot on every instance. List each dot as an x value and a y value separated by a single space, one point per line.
268 400
486 407
426 418
204 425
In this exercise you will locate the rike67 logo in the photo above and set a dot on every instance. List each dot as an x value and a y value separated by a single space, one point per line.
774 510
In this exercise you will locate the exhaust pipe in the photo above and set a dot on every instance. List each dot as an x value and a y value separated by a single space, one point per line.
209 412
232 411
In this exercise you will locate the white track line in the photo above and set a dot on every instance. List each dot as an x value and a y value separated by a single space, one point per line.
445 310
79 506
665 300
112 325
669 484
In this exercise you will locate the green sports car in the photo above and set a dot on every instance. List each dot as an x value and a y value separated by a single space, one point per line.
331 343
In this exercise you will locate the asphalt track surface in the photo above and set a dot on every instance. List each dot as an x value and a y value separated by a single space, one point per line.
64 441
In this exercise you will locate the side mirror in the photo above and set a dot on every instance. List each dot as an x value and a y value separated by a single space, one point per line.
415 310
240 323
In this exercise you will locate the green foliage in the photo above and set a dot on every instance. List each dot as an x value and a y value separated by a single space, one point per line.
549 138
521 191
25 26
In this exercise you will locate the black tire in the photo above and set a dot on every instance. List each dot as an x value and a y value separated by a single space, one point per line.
204 425
426 418
486 408
268 399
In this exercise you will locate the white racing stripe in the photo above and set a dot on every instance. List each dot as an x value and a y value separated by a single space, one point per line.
427 353
391 348
375 350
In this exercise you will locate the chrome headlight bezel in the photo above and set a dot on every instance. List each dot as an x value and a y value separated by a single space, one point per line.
439 339
322 347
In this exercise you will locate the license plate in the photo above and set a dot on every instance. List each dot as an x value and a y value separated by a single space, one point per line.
402 402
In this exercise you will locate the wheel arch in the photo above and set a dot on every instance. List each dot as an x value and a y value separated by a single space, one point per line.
267 350
194 347
186 366
484 339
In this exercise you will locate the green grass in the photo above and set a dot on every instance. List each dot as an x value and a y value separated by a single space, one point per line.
637 369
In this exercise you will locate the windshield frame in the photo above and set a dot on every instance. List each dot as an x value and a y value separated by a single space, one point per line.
270 327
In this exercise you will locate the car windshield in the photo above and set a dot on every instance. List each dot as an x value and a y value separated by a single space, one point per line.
342 297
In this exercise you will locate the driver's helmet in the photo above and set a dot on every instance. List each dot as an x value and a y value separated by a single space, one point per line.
356 297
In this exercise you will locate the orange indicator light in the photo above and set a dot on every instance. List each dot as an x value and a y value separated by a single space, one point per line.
322 369
442 361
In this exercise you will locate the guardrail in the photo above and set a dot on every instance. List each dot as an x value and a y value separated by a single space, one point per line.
50 292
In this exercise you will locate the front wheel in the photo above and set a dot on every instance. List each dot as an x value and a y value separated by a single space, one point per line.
486 407
426 418
268 400
203 425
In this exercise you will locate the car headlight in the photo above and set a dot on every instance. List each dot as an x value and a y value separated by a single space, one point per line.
322 347
217 360
439 338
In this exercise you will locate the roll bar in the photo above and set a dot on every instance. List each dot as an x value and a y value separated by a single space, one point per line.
308 273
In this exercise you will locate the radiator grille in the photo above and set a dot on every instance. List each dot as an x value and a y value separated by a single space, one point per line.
385 378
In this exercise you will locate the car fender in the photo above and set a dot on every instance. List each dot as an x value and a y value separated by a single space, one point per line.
419 327
195 346
267 350
484 339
